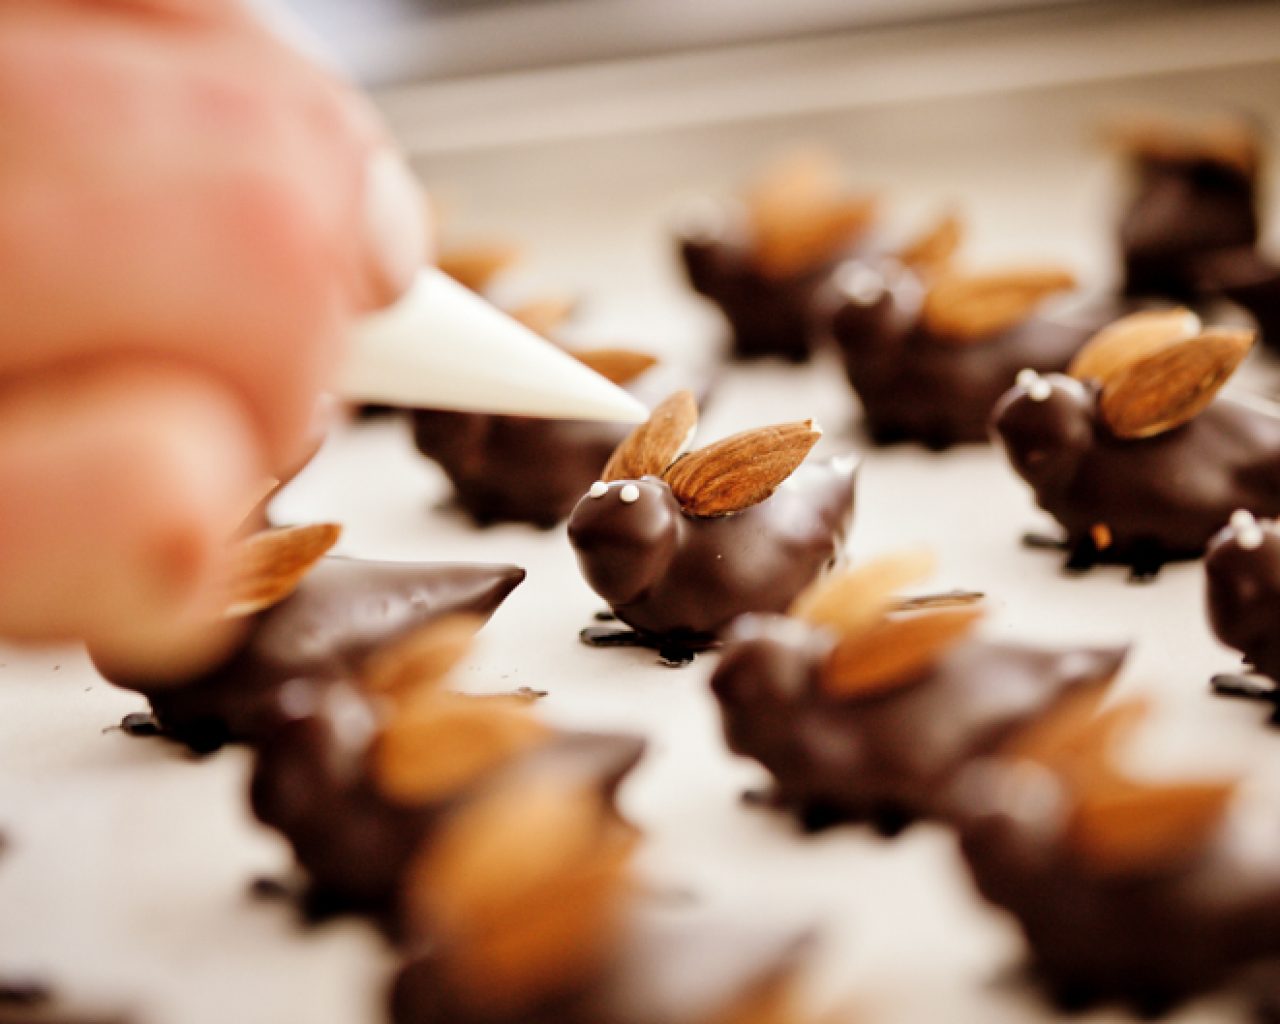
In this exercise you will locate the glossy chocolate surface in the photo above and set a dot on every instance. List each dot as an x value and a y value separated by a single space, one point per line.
1181 211
520 469
1149 937
1161 498
680 578
1247 277
314 782
767 315
343 611
914 386
883 758
1244 594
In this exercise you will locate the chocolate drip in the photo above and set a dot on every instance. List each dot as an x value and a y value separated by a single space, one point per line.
343 611
1159 498
682 579
884 759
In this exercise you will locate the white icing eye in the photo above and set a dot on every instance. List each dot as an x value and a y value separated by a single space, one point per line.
1242 519
599 489
1038 389
629 494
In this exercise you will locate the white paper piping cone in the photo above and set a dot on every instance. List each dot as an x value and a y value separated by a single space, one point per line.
443 347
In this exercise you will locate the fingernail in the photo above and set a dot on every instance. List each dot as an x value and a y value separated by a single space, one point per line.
395 224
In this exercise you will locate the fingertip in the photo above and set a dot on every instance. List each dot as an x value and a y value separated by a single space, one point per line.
396 227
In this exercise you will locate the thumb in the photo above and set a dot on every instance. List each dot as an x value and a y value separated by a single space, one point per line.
119 489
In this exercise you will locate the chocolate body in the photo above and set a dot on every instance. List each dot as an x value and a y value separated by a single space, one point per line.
343 611
672 576
768 315
1181 211
883 758
521 469
915 386
314 782
1149 937
1159 498
1244 597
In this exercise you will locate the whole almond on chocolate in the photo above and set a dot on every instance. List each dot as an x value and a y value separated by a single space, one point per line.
654 445
1173 385
932 252
856 599
895 652
742 470
418 663
268 566
970 308
1130 339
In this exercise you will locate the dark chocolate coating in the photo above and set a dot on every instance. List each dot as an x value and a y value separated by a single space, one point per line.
521 469
884 758
313 782
1247 277
1181 211
914 386
343 611
680 578
1161 497
768 315
1148 937
1244 597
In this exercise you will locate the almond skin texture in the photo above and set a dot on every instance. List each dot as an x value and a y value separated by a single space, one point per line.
740 471
934 250
894 653
437 747
653 446
1131 339
852 601
1173 385
418 663
970 308
619 365
475 266
1121 827
267 567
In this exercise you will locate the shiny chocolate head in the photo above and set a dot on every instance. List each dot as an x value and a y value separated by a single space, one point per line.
625 534
1046 424
1242 569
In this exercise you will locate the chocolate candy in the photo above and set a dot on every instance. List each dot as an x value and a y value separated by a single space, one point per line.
1194 195
1242 568
1141 469
515 468
920 380
761 262
1140 891
1247 277
679 549
842 747
343 611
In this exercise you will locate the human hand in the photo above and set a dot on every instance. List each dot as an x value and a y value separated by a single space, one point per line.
190 215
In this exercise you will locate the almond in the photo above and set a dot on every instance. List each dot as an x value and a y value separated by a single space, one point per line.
740 471
420 661
894 652
620 365
267 567
1120 827
1130 339
523 886
932 251
435 748
543 316
800 217
852 601
1172 386
653 446
1077 737
968 308
475 266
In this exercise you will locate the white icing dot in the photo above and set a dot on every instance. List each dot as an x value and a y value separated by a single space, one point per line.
599 489
629 494
1040 391
860 283
1242 519
1027 377
1250 539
